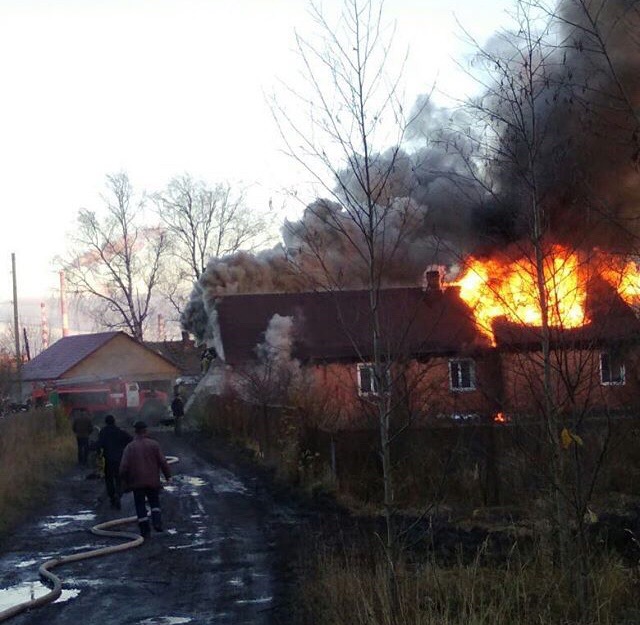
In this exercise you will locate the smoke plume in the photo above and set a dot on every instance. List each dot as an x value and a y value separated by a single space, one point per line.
463 182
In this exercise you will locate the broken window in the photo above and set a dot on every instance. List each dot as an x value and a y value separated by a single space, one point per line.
462 375
367 380
611 368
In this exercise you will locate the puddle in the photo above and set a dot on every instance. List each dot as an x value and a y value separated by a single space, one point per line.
172 531
236 582
26 563
84 583
62 520
193 545
170 488
229 483
193 480
31 590
165 620
254 601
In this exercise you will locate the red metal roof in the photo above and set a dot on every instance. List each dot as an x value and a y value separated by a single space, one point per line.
337 325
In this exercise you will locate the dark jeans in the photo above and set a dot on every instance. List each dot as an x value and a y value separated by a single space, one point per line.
112 479
83 449
152 495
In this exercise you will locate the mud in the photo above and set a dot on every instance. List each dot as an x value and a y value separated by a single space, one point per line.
225 555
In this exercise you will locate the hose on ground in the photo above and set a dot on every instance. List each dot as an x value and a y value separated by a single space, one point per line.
101 529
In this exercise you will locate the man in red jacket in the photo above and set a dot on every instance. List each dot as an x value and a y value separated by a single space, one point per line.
142 461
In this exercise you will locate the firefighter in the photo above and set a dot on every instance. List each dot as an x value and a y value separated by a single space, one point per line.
82 426
140 468
111 442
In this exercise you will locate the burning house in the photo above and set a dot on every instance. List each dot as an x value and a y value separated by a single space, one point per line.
468 348
529 197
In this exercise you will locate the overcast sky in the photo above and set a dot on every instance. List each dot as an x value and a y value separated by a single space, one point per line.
162 87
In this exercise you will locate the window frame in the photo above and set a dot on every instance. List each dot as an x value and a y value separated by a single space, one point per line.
472 375
611 356
373 392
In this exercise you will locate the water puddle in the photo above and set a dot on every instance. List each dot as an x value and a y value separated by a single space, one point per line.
236 582
254 601
200 544
166 620
193 480
56 522
229 483
31 590
26 563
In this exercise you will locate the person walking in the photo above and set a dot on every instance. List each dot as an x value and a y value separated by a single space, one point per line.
142 461
111 442
82 426
177 409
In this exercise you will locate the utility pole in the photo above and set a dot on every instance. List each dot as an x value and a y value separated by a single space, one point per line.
16 328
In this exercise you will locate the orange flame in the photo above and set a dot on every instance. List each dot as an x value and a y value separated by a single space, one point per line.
494 288
625 277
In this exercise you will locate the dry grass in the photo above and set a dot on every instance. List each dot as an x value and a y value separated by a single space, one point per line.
343 589
35 448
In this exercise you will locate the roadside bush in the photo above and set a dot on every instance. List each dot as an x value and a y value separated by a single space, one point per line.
35 447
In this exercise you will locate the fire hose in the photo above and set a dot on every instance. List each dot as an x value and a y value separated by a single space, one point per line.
101 529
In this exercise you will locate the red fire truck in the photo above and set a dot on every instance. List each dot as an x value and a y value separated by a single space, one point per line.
119 397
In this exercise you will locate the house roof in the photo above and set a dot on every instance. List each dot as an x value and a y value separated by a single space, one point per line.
337 325
184 354
64 354
69 351
611 321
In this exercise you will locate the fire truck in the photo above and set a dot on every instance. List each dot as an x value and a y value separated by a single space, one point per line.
121 398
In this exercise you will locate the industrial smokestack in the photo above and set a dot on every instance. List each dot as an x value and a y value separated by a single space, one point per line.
162 333
63 305
44 325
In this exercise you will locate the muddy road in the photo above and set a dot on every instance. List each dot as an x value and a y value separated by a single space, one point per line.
225 555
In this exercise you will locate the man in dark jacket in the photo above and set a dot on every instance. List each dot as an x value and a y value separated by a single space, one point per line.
177 409
111 442
82 426
140 468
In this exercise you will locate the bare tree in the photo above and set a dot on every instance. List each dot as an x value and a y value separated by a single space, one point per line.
351 150
205 222
116 261
535 149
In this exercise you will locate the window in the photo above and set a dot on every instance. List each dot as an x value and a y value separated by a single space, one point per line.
367 380
611 368
462 375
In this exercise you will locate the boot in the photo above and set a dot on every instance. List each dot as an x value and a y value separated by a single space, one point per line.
156 519
145 528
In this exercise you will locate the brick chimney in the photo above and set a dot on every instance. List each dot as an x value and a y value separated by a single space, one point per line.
432 278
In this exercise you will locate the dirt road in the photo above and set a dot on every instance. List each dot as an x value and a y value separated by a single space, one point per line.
223 558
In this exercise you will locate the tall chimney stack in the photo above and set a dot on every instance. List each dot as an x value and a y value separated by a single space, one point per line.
63 305
44 325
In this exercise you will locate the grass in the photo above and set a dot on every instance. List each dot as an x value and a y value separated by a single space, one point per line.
341 587
35 447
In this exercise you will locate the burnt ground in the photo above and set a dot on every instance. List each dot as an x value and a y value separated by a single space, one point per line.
227 554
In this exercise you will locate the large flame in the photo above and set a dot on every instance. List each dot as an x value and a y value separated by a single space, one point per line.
510 287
